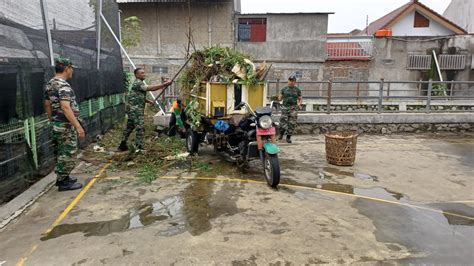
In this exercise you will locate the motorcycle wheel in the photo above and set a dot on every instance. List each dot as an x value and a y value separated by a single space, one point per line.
271 168
192 141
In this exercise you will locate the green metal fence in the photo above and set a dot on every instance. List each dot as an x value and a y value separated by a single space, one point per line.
26 149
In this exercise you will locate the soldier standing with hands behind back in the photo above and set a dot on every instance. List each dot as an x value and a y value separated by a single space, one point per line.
63 111
292 99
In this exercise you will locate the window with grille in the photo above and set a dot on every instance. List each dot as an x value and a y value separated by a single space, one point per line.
419 62
298 74
252 30
160 70
452 62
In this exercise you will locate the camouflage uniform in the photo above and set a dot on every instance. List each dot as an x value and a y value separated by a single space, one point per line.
136 113
64 134
289 109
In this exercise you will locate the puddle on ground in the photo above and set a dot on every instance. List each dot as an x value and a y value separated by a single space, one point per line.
461 149
324 172
192 211
339 172
376 192
431 237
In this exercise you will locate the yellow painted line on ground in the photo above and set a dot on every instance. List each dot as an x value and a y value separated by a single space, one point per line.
66 211
76 199
325 191
22 260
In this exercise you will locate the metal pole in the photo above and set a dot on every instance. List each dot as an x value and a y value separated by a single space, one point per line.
328 107
388 91
277 88
98 25
44 12
451 89
380 96
120 24
33 142
117 40
437 66
428 99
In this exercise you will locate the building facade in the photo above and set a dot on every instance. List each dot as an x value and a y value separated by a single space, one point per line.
461 12
167 26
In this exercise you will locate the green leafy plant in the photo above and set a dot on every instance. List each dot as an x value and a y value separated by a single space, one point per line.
217 62
203 167
193 114
131 32
440 89
147 174
127 80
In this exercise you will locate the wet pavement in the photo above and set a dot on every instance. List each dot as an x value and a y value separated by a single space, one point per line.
407 200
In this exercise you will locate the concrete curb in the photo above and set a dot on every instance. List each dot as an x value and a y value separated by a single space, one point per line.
386 118
19 204
367 118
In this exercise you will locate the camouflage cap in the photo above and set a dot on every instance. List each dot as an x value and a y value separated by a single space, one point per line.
64 61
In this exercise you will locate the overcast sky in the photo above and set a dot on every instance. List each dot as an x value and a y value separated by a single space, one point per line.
349 14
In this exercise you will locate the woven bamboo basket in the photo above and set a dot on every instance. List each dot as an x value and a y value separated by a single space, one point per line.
341 147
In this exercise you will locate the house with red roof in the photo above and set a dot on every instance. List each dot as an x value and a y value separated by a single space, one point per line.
413 19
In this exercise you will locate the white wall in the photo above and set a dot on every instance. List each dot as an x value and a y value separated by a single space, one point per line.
405 27
461 12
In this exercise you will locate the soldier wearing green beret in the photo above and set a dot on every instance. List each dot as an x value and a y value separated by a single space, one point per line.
63 112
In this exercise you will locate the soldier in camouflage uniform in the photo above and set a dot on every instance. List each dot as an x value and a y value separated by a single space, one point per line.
63 112
292 99
136 109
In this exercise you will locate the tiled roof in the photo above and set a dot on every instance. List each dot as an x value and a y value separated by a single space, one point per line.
386 20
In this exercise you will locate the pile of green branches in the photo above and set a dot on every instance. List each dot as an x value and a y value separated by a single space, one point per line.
216 64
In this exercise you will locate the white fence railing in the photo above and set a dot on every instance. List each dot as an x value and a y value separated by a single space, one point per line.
350 47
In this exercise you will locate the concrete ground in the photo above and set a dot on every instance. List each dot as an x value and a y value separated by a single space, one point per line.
407 200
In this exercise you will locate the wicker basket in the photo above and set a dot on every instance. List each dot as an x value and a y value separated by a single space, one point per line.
341 147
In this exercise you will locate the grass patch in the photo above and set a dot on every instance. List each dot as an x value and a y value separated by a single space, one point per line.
148 173
202 167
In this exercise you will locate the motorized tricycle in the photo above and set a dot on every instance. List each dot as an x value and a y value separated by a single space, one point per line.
242 135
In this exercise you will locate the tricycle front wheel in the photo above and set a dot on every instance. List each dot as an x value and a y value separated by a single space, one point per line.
272 169
192 141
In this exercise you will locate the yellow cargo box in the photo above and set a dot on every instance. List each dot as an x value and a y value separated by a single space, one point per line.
219 99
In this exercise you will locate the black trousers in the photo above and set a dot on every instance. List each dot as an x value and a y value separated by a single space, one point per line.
172 124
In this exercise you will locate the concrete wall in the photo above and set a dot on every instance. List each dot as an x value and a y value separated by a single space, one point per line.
291 38
405 27
164 29
461 12
390 60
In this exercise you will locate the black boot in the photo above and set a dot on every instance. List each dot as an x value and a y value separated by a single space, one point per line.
67 185
71 179
123 146
288 138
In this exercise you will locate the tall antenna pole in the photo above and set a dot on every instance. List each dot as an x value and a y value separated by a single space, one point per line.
367 25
